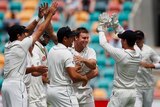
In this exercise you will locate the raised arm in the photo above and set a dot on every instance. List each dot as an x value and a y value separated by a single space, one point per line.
30 28
115 24
46 22
51 33
49 28
104 22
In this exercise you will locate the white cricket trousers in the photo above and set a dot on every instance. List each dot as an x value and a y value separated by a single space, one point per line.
91 104
122 98
61 96
14 93
84 97
144 97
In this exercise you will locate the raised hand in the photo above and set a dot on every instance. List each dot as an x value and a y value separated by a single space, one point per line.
104 22
114 20
101 27
105 19
53 8
115 24
46 9
42 10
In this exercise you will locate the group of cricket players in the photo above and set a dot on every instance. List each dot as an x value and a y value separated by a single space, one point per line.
34 77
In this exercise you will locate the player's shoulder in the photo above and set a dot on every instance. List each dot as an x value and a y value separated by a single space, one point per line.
90 50
148 48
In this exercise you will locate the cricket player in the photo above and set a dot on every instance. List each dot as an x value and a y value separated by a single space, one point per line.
30 28
86 58
144 78
39 70
62 71
15 62
126 67
37 89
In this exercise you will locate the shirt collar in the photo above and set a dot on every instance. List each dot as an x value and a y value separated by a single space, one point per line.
60 46
39 44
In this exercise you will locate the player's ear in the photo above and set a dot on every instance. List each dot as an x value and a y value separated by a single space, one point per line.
65 38
76 38
18 36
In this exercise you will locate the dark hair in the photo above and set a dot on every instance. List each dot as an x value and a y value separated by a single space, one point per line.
14 30
131 43
81 30
65 32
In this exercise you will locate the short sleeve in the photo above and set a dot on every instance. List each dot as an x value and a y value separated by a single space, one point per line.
69 60
92 54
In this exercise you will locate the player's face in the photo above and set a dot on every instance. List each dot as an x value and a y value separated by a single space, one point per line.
70 41
45 41
140 42
123 42
83 39
21 37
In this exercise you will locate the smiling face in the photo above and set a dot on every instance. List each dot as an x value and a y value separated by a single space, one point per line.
82 40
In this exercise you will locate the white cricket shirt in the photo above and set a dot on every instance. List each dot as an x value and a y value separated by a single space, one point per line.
127 64
87 53
59 58
37 87
144 78
16 58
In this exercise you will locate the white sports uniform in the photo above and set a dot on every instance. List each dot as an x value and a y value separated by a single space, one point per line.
144 79
60 92
84 94
37 91
27 77
14 92
126 68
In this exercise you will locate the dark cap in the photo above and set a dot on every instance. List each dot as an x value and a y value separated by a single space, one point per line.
139 34
14 30
128 34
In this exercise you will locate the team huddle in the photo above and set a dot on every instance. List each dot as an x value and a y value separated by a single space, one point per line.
34 77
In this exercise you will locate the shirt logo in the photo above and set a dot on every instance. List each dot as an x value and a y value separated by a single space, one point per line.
43 58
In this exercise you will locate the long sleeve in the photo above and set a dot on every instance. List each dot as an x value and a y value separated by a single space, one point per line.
116 53
119 29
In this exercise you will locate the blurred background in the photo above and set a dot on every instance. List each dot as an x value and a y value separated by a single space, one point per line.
132 14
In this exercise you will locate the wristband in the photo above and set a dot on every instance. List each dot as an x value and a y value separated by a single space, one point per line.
37 19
